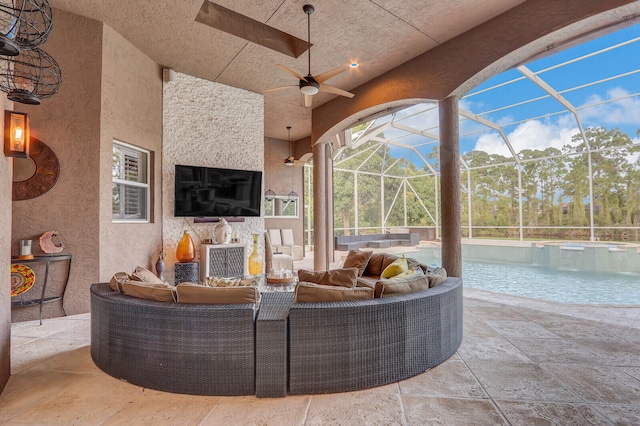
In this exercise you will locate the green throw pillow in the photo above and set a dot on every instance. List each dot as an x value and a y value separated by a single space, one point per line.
397 267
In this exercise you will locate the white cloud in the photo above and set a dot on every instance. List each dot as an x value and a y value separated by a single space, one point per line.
622 111
532 134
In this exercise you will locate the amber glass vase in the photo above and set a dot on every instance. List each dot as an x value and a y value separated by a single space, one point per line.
255 260
186 251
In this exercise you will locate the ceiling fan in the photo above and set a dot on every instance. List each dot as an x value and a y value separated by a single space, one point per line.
291 160
310 84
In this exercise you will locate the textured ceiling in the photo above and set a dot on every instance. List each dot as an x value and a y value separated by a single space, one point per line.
378 35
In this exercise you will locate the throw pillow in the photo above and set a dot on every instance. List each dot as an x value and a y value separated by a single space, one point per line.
413 264
357 259
374 266
195 293
346 277
310 292
396 267
146 275
436 276
117 280
230 282
151 291
392 287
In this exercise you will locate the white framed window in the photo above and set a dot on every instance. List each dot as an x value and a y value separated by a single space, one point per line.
130 183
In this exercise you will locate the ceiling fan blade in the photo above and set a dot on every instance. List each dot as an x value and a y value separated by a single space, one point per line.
327 75
242 26
330 89
290 71
279 88
308 100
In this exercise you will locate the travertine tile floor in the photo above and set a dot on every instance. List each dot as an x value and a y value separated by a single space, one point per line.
521 362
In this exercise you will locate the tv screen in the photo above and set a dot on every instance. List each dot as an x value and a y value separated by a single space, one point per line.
209 192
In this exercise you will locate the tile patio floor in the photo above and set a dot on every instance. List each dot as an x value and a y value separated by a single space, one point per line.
521 362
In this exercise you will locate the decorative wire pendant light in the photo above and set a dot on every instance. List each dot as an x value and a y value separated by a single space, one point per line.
24 24
292 194
30 76
269 195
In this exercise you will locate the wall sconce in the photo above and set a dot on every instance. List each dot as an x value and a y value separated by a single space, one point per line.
16 134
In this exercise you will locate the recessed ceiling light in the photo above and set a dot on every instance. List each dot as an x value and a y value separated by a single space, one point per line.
353 65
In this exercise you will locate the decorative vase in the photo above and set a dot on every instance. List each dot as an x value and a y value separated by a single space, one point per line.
186 251
160 266
255 260
222 232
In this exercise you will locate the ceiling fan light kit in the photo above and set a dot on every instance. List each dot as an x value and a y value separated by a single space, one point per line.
309 86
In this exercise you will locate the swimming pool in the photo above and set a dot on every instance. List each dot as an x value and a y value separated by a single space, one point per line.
541 282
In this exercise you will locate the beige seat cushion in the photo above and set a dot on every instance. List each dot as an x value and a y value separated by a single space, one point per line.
311 292
393 287
365 281
358 259
345 277
150 291
194 293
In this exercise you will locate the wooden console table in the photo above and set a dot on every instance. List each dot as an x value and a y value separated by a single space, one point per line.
46 259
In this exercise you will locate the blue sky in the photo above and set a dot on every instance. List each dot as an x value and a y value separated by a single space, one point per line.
556 126
545 122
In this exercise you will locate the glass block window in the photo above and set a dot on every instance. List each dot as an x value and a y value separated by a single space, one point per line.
130 183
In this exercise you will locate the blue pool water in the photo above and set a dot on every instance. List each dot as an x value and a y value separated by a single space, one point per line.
548 284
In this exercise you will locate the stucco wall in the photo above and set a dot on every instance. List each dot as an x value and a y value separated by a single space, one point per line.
131 112
213 125
6 169
69 123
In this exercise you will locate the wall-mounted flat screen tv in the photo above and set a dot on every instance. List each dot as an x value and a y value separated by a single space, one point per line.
214 192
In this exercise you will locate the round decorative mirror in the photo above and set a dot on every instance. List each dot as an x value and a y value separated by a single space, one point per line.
37 174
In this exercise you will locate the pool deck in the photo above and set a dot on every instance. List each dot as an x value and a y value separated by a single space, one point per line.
521 362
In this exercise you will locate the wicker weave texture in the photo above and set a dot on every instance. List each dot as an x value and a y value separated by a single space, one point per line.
191 349
345 346
271 344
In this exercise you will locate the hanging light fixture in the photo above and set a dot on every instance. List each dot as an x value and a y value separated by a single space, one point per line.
293 194
30 76
27 74
24 24
269 195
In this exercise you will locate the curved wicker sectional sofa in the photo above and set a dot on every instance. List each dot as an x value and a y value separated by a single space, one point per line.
345 346
304 348
181 348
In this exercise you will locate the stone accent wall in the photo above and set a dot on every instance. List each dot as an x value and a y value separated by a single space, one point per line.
212 125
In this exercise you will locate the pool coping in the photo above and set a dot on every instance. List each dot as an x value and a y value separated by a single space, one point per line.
617 314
